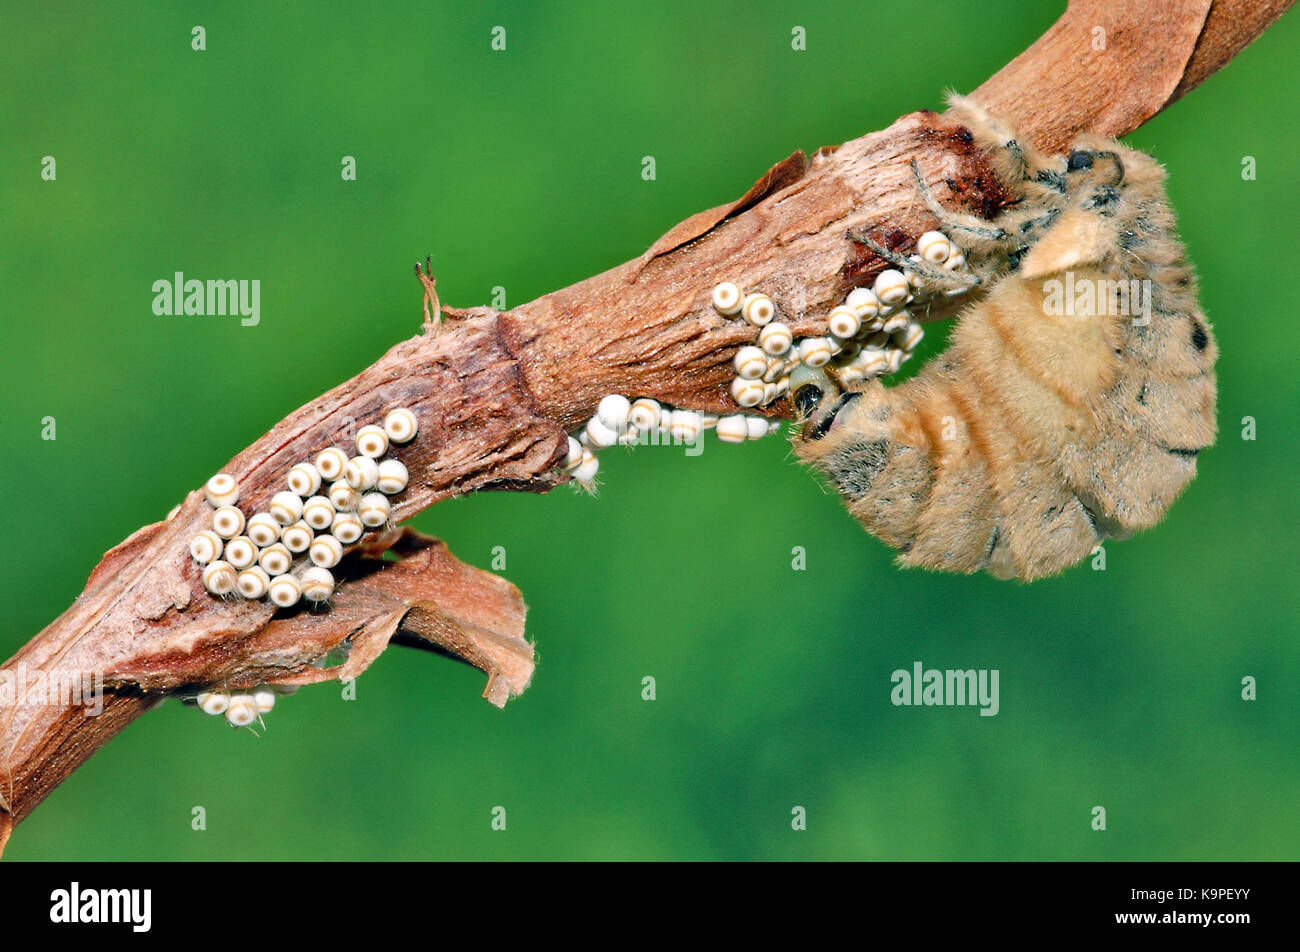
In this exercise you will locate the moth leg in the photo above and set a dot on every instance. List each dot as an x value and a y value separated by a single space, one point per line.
941 278
992 135
1028 228
957 221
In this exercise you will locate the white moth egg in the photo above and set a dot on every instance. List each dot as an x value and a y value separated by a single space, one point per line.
285 590
221 490
891 287
685 425
297 537
240 552
747 393
219 577
317 583
644 413
263 529
242 711
759 309
275 559
206 546
776 339
361 473
326 551
732 429
401 425
372 441
614 410
343 497
599 435
253 582
864 302
303 479
933 247
347 527
587 471
815 351
844 322
285 508
213 702
318 512
392 477
264 698
227 522
331 463
374 510
750 362
727 298
896 322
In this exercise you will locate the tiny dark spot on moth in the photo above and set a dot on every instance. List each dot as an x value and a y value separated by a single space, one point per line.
1092 516
1103 197
1053 180
993 542
1199 337
1142 395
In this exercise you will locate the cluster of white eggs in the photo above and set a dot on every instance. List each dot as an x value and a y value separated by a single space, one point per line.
240 708
330 503
870 334
620 421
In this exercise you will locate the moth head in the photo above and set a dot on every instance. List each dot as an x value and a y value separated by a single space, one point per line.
1095 161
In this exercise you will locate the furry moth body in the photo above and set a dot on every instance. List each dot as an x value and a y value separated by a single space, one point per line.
1045 427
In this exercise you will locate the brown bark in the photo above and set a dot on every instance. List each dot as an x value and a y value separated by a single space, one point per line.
496 392
1150 54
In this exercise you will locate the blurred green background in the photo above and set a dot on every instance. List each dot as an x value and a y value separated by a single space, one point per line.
522 169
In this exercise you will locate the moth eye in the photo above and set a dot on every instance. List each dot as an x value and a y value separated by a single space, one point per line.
1079 161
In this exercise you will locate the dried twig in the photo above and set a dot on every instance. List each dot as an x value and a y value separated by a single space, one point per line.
497 392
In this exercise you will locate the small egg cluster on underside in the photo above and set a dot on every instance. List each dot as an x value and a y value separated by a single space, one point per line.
869 334
286 552
620 421
240 708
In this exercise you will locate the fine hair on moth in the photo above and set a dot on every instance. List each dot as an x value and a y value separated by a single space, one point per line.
1042 430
